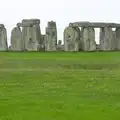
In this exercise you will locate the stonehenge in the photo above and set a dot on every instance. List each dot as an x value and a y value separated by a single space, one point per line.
108 40
72 39
51 37
87 41
16 39
117 31
3 38
77 36
31 34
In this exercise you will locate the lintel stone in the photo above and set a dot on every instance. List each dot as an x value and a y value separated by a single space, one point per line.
94 24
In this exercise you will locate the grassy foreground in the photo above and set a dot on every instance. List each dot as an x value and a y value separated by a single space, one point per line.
60 86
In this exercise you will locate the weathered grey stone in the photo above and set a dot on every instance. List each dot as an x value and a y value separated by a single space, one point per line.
31 44
71 39
94 24
114 41
43 39
9 48
3 39
59 45
31 21
60 42
19 24
88 39
42 42
16 39
117 31
31 34
97 47
36 33
51 37
24 37
2 26
106 39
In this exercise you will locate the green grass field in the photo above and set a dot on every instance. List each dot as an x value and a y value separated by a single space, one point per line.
60 86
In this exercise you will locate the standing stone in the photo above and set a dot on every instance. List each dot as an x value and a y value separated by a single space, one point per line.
42 40
71 39
117 38
42 43
114 40
36 33
88 39
59 45
106 39
29 43
3 38
16 39
24 35
92 44
60 42
51 37
31 34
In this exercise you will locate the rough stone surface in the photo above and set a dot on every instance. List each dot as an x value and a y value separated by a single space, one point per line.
114 40
59 45
42 43
88 39
16 39
94 24
117 38
31 21
24 36
2 26
31 34
51 37
106 39
59 42
71 39
31 44
3 39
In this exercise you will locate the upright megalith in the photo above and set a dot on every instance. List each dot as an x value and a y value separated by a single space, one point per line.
51 37
59 42
16 39
60 46
3 38
72 39
31 34
114 40
42 42
106 39
87 41
117 31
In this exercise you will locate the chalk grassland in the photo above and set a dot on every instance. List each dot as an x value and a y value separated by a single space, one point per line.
60 86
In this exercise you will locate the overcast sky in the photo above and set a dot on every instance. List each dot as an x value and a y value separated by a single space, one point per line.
61 11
